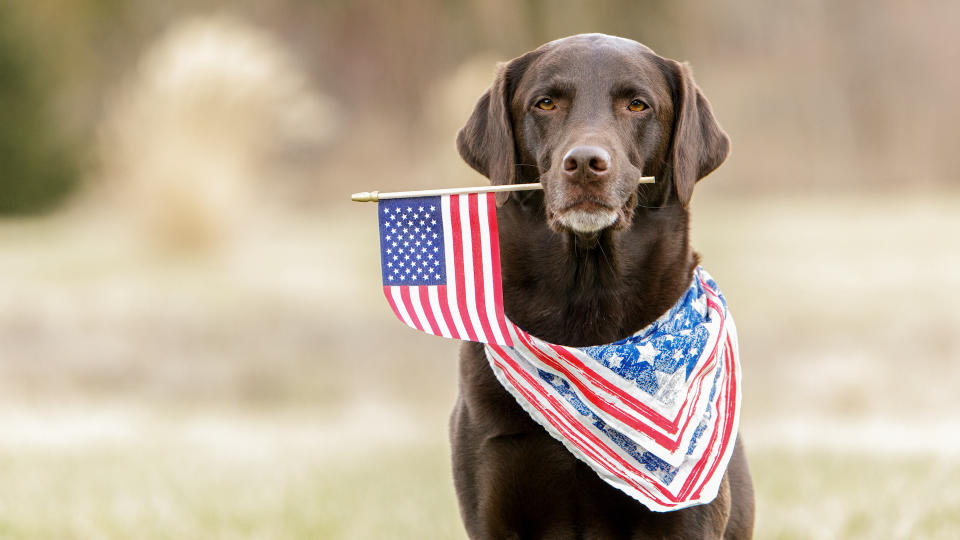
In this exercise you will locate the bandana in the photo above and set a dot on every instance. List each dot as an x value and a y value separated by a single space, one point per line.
655 414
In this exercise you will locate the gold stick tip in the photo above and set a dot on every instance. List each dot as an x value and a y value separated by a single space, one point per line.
366 196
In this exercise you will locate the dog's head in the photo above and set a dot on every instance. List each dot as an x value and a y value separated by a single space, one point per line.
587 116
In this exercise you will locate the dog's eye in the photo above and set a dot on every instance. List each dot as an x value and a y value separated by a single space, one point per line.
637 105
546 104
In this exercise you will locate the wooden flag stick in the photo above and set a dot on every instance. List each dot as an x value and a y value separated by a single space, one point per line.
373 196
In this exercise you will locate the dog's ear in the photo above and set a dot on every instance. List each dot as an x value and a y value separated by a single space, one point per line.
486 142
699 144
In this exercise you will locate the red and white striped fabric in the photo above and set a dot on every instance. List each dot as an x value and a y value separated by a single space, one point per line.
655 415
669 447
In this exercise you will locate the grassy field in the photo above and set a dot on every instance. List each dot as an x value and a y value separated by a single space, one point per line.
263 390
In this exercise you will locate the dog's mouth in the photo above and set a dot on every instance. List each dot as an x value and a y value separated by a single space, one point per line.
587 216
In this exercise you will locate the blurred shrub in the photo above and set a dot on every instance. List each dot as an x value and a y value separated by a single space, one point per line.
36 168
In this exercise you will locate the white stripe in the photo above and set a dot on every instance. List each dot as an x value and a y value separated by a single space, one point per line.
471 288
488 283
418 309
395 292
459 331
434 296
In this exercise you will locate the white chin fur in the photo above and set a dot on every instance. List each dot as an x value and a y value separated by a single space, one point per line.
583 221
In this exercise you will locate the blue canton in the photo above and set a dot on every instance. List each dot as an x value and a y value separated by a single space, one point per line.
411 241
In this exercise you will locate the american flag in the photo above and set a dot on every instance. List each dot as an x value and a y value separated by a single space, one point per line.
440 260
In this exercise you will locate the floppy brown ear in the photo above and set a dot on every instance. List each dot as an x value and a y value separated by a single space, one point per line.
699 143
486 142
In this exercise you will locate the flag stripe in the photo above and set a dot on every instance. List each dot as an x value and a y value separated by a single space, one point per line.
397 303
479 281
468 269
495 263
460 266
421 306
433 292
490 286
408 306
451 308
443 291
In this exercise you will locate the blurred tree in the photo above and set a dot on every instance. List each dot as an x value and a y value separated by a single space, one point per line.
36 169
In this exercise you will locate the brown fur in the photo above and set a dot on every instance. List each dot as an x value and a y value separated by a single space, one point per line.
513 480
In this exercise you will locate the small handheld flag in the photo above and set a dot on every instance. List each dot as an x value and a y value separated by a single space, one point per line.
440 261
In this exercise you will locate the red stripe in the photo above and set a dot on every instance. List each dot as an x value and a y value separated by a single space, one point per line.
445 310
405 298
393 305
478 283
495 264
428 310
576 434
458 272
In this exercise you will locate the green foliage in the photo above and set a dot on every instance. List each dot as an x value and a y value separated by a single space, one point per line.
36 168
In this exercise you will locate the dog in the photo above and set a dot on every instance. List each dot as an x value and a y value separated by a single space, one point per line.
591 259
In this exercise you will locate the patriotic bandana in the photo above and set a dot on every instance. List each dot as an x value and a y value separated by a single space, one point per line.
655 414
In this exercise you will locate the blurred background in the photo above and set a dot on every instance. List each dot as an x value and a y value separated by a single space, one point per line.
193 342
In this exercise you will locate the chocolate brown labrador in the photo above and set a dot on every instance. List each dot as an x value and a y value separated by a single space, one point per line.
589 260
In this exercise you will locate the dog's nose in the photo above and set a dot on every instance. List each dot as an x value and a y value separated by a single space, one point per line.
586 163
